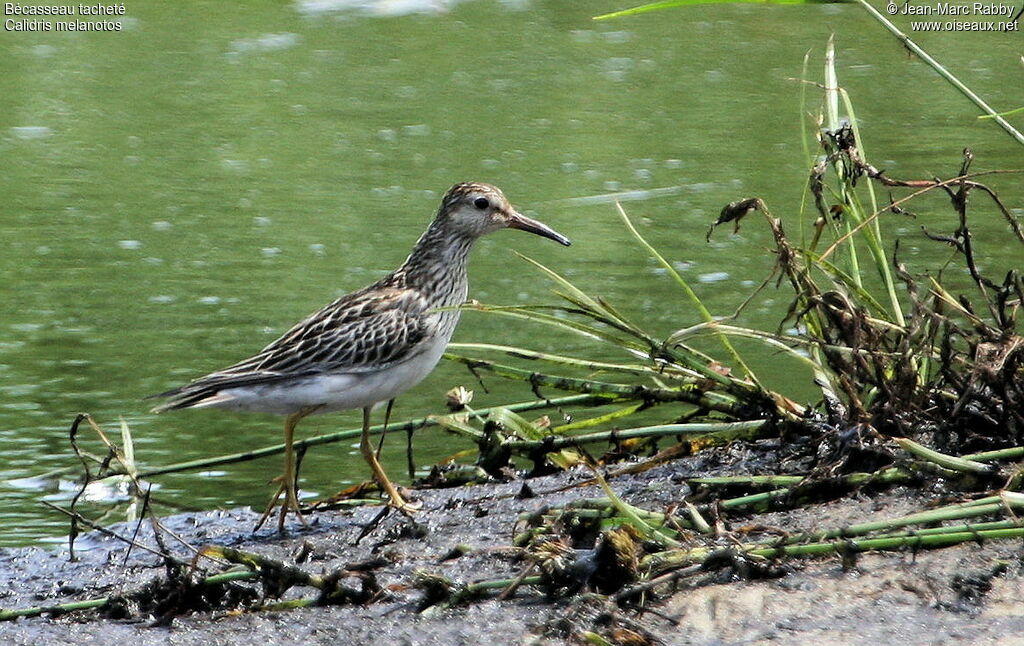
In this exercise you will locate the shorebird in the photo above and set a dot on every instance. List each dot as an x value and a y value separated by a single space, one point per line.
366 347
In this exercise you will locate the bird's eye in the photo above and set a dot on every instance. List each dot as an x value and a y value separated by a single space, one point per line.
481 203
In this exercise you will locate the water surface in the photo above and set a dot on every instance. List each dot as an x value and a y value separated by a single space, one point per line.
179 193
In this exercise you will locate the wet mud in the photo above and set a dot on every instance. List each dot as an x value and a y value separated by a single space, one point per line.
963 594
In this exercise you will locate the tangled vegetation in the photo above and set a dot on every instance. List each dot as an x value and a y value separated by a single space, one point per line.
919 387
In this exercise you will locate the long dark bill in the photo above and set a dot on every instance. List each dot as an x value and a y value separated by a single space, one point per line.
520 221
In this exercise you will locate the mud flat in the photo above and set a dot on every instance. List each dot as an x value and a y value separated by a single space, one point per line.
965 594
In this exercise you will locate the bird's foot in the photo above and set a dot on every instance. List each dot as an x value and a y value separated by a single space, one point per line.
407 509
398 502
290 503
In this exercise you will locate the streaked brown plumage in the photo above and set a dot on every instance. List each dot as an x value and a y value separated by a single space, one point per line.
368 346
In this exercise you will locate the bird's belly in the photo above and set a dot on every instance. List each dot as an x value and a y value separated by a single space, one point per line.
336 391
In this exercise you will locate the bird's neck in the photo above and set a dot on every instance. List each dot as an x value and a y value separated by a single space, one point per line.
438 261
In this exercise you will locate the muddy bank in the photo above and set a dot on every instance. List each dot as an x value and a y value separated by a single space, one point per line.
963 594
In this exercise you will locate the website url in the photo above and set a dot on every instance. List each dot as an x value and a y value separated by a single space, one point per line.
949 25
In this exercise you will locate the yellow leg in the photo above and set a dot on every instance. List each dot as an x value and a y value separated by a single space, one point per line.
384 431
270 505
291 486
394 498
288 485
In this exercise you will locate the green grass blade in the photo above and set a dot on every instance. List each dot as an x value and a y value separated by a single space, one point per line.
566 324
692 295
521 353
669 4
941 459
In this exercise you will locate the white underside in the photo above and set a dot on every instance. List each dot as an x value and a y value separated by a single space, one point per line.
332 392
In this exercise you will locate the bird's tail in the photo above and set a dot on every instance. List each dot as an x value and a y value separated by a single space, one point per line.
209 390
181 397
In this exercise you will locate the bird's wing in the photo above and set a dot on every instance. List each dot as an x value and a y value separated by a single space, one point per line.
366 330
363 331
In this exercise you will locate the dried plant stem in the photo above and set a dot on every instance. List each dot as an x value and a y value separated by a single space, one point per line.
394 427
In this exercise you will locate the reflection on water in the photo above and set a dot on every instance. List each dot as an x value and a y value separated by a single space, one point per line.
172 203
318 8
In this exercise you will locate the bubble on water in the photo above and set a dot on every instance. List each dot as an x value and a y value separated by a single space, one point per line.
570 167
237 165
372 7
163 299
642 174
209 300
21 407
714 277
107 490
132 160
387 134
682 265
582 35
153 260
388 191
29 484
674 163
262 221
43 249
417 130
861 69
270 252
162 225
612 185
30 132
714 76
299 109
318 249
129 244
43 51
490 163
499 86
702 187
616 68
617 36
265 43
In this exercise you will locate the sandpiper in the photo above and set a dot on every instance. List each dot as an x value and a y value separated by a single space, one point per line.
369 346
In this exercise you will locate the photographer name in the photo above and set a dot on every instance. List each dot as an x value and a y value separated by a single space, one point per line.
950 9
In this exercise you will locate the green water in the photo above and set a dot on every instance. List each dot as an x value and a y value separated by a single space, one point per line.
178 193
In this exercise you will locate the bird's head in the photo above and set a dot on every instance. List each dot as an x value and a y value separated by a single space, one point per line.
475 209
